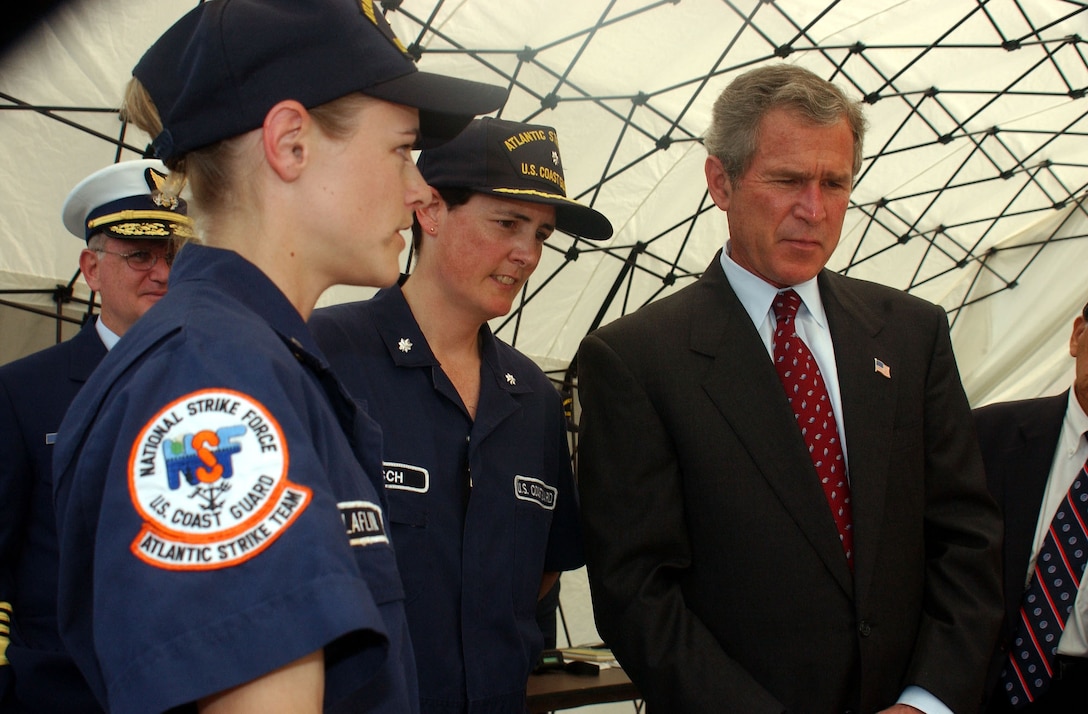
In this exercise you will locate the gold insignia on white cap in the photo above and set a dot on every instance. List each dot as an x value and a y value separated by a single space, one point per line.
120 200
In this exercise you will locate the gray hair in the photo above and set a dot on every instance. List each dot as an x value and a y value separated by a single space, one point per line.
734 130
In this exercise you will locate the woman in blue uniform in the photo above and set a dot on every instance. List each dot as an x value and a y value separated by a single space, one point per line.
477 469
221 519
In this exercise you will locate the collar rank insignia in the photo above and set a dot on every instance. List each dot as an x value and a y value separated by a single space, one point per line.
405 345
510 379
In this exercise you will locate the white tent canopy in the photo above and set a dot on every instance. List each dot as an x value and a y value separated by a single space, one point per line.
974 180
974 177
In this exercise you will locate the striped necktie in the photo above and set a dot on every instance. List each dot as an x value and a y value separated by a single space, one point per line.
1049 598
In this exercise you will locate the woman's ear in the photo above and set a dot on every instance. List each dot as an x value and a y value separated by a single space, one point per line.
286 136
428 214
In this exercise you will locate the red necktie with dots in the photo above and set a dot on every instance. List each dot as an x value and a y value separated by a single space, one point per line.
811 405
1049 598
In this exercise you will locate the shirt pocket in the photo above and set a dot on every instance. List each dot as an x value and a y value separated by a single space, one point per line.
410 534
532 523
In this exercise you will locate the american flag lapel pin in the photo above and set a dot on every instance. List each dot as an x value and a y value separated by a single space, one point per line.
882 368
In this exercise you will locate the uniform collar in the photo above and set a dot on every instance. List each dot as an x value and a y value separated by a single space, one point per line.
245 282
408 346
399 330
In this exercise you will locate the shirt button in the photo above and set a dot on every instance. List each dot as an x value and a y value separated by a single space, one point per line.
864 628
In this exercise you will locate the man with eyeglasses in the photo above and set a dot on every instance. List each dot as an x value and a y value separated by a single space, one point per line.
132 236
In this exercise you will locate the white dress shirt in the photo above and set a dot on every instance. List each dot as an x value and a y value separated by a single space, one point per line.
109 337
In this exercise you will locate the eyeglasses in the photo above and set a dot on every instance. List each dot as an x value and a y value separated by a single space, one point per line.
141 260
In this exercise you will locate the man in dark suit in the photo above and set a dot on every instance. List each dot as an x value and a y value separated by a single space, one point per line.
726 575
131 241
1034 450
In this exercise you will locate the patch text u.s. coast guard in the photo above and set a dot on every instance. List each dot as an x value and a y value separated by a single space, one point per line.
208 476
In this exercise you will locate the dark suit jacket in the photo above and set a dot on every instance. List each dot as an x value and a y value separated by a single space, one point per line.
1018 441
34 395
716 570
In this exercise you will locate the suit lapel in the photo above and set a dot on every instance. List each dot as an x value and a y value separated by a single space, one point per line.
1027 464
746 390
87 350
868 405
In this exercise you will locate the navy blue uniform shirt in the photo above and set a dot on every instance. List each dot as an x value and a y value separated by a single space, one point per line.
480 508
220 511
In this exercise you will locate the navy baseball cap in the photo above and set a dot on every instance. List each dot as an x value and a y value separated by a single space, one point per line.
512 160
219 69
124 200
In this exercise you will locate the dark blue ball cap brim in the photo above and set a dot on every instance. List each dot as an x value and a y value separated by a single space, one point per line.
516 161
440 100
219 69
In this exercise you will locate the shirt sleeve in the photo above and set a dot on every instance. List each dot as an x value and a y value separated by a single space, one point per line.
203 510
923 701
